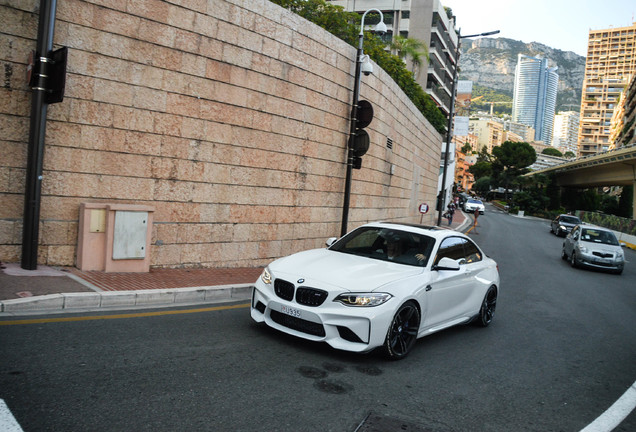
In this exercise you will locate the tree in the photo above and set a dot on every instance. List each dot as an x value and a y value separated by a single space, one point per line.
551 151
512 160
467 148
346 26
482 185
410 48
569 155
480 169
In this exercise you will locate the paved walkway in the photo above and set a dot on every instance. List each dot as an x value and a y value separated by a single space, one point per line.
49 288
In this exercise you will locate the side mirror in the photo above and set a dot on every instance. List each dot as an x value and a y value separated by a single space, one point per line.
623 244
330 241
446 264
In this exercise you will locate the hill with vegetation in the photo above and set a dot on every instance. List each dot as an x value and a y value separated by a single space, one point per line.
490 63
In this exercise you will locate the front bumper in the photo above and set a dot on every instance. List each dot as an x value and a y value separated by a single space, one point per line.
356 329
590 260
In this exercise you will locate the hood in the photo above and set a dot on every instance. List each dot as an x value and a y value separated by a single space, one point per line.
330 270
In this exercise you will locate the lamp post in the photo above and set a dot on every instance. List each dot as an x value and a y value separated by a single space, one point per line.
380 28
449 130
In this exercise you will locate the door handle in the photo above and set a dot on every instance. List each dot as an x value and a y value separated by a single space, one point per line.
428 287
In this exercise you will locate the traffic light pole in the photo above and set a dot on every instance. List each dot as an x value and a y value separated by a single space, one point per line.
37 131
352 132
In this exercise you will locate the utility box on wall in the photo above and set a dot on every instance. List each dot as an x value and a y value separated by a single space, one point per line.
114 237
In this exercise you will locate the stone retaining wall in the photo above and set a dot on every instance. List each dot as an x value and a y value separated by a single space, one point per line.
229 117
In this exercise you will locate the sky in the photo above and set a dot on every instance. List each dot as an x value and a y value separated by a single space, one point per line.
560 24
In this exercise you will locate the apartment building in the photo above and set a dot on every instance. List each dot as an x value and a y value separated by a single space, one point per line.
426 21
534 95
490 133
611 60
565 132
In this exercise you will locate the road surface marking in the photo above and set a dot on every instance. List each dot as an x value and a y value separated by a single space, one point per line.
119 316
614 414
8 423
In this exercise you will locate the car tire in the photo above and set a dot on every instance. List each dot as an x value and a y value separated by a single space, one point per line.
488 306
573 261
402 332
564 256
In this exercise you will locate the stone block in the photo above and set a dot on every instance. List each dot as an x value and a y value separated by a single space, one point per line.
189 295
39 303
81 300
118 298
149 297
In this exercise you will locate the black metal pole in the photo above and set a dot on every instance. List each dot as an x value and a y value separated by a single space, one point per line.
449 135
37 131
352 131
449 131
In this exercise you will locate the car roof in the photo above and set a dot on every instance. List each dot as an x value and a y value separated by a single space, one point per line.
429 230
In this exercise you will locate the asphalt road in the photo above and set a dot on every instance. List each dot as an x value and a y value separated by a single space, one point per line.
561 350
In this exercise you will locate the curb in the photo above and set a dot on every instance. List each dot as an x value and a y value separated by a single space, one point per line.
77 302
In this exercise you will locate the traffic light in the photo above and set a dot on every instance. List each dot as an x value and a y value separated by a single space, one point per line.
359 141
48 74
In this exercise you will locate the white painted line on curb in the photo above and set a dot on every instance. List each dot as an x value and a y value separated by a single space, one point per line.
8 423
614 414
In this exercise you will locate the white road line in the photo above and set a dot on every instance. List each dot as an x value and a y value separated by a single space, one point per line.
614 414
8 423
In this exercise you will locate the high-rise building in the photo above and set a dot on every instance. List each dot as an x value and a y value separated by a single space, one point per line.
425 21
534 95
611 59
565 132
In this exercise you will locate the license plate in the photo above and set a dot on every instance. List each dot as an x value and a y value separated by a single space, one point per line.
290 311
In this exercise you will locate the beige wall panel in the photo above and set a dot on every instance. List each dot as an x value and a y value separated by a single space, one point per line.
229 118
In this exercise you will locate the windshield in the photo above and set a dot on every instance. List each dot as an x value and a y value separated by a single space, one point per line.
387 244
570 219
472 201
598 236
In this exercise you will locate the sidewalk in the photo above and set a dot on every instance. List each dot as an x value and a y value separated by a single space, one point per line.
49 289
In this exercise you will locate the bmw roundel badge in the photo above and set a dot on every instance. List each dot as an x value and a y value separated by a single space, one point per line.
301 280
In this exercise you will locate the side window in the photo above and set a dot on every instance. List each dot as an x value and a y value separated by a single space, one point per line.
472 252
451 247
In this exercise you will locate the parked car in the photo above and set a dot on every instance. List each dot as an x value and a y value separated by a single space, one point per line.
472 205
595 247
563 224
381 285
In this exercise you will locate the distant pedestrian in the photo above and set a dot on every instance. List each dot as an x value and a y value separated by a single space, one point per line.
450 212
476 215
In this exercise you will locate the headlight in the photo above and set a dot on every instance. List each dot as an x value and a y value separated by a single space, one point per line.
562 228
363 299
619 256
583 249
266 276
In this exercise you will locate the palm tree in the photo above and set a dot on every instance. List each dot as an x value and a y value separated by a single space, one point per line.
411 48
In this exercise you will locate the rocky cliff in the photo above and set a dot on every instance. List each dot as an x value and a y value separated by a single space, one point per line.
491 63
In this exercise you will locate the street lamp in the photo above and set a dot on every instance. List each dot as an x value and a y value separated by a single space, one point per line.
449 130
360 58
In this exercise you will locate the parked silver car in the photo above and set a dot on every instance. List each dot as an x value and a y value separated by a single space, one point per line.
595 247
563 224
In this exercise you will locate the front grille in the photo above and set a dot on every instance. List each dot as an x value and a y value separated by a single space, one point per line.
603 255
284 289
298 324
310 296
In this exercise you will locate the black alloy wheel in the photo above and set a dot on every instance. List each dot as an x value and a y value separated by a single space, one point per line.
488 307
402 332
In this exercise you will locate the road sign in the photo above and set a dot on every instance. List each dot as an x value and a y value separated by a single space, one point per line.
423 208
